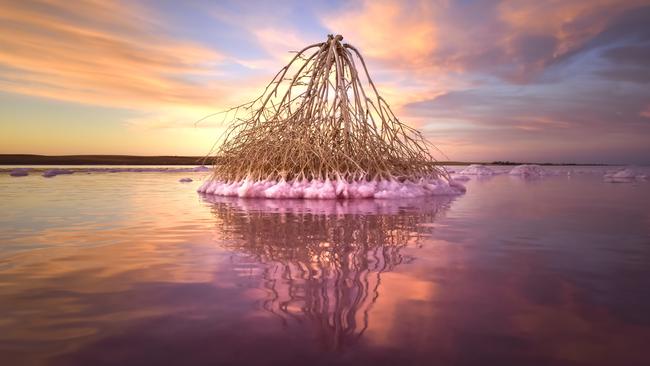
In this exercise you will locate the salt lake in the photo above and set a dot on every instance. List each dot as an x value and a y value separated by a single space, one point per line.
129 268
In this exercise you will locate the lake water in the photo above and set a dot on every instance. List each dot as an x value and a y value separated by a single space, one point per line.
137 268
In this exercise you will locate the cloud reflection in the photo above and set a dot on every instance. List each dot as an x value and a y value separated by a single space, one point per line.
324 260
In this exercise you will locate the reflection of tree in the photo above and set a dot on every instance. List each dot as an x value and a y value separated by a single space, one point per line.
324 259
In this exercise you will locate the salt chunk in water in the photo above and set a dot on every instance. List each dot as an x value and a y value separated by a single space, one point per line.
328 189
477 169
19 172
54 172
528 171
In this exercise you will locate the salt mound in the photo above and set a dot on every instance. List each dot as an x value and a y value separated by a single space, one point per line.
477 169
625 173
19 172
54 172
461 178
185 180
623 176
528 171
332 189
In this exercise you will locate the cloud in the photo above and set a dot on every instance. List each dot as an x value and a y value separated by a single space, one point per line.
631 55
619 52
515 41
578 106
481 77
540 121
102 53
395 32
510 76
646 113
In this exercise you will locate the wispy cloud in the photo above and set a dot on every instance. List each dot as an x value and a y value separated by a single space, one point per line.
104 53
390 31
483 79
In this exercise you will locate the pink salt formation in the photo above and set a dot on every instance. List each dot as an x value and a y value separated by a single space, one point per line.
477 169
528 171
320 130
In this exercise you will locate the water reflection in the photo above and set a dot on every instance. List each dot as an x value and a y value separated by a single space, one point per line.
324 260
96 271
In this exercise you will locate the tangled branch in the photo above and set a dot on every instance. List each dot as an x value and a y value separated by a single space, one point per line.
320 118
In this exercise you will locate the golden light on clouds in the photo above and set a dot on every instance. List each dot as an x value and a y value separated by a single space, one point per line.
564 20
474 75
389 31
115 56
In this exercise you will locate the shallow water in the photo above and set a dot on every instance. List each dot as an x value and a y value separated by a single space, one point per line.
137 268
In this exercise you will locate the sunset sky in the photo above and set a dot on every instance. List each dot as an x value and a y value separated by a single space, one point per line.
526 80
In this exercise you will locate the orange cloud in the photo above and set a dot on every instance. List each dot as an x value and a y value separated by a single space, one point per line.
512 39
102 53
569 25
559 17
388 31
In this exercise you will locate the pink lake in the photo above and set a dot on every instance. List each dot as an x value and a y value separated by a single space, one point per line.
137 268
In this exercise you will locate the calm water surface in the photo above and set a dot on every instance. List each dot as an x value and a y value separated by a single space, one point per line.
136 268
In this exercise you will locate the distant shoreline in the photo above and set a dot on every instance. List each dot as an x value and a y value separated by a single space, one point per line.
29 159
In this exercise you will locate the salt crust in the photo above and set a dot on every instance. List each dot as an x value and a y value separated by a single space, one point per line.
54 172
623 176
332 189
477 169
461 178
528 170
19 172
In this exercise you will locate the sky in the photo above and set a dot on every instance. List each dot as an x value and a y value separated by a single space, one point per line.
525 80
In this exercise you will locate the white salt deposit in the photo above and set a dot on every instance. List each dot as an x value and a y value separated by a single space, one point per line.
185 180
331 189
19 172
477 169
54 172
528 171
626 175
461 178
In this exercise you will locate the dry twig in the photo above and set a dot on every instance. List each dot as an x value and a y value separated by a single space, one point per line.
320 118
